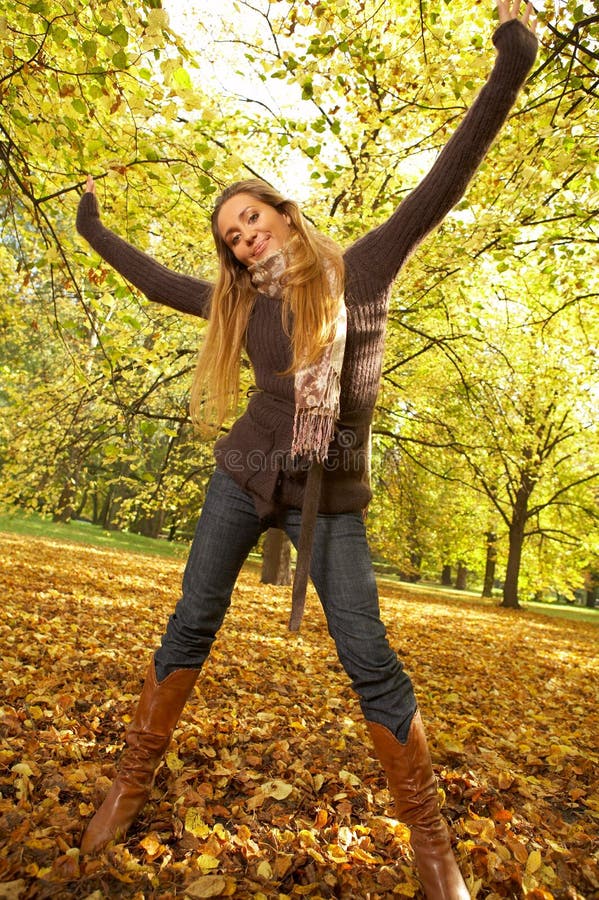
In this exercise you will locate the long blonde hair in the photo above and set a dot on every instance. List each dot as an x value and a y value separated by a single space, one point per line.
313 283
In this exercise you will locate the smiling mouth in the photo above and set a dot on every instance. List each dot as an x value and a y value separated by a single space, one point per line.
260 248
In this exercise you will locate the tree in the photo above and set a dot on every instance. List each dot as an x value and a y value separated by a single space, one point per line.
533 452
96 407
276 558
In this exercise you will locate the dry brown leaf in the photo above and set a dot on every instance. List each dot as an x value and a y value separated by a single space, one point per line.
270 788
208 886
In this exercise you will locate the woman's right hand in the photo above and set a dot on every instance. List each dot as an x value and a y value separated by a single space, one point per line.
87 210
510 9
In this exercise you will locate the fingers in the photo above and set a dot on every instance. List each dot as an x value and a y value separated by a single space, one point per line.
90 185
503 10
526 18
510 9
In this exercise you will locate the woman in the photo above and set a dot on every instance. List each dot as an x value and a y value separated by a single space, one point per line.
312 321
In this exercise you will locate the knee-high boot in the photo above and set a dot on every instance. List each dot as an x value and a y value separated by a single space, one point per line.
413 786
147 739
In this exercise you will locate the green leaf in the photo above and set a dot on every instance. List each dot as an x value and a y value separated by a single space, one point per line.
181 78
90 48
120 60
120 35
307 90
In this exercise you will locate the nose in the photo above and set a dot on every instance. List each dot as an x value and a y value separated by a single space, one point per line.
249 234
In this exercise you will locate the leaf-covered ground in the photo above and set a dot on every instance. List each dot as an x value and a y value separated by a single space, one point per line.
270 788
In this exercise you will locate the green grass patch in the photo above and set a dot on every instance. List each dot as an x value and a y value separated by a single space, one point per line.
561 610
34 525
19 522
565 611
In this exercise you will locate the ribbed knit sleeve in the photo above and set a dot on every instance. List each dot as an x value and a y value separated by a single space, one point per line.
374 260
157 282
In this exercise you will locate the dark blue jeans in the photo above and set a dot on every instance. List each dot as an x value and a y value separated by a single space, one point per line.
341 572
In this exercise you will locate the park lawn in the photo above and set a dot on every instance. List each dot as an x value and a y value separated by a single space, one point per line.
270 788
81 532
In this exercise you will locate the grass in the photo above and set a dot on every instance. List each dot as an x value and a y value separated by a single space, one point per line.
18 522
561 610
34 525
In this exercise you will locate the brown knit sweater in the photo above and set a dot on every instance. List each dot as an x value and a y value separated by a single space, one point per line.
256 450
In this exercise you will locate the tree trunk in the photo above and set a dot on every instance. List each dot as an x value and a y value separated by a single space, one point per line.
490 565
64 510
510 587
592 586
105 514
149 525
415 563
460 580
276 558
446 576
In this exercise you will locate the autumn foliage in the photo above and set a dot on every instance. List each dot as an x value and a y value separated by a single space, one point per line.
270 788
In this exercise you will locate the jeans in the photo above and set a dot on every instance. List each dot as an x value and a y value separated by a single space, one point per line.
342 574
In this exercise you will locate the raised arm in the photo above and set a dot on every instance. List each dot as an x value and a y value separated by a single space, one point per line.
382 252
157 282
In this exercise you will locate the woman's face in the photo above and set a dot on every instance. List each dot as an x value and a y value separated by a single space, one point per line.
252 229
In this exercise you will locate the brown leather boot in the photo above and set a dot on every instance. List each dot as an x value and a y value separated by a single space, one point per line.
413 786
147 738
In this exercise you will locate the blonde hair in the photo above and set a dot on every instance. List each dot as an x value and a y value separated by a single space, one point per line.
313 283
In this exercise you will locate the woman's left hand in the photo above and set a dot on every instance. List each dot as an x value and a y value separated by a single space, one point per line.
510 9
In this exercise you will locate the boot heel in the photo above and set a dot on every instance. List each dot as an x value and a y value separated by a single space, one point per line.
147 739
412 783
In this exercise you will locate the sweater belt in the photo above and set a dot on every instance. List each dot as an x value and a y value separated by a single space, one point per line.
311 498
305 544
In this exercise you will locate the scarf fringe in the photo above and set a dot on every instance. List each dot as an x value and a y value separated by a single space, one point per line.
314 427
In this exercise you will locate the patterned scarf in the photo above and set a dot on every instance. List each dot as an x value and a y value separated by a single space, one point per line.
317 386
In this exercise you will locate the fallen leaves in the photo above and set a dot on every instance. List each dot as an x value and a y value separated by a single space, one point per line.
270 788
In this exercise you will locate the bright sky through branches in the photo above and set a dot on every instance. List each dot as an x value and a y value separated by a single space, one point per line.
203 26
211 32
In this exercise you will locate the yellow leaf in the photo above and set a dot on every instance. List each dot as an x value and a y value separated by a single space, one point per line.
306 838
362 855
533 862
157 19
336 853
406 889
152 845
449 743
505 780
173 762
276 789
22 769
195 824
264 870
484 828
317 782
207 862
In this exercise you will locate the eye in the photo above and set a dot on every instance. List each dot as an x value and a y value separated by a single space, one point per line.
252 217
234 240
